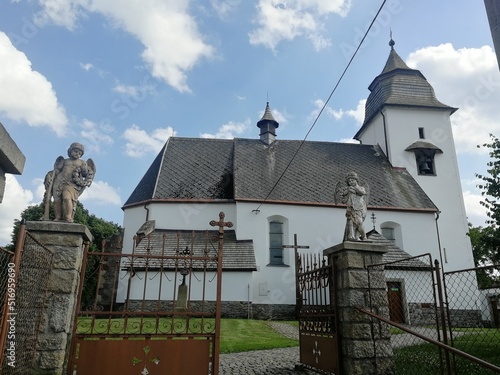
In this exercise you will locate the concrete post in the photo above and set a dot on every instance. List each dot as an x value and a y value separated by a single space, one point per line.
67 241
365 345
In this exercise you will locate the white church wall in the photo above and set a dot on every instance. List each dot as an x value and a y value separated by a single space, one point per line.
318 228
236 286
174 216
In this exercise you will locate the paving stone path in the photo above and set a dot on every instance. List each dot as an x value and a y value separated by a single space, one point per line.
265 362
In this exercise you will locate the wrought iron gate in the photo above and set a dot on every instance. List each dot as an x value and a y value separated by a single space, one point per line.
154 311
318 337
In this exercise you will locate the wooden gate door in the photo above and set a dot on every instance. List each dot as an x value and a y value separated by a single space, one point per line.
395 297
154 311
319 350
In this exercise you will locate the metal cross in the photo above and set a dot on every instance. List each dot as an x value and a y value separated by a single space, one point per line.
374 218
316 351
298 299
221 223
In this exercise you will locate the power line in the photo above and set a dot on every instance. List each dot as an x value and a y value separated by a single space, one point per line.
324 105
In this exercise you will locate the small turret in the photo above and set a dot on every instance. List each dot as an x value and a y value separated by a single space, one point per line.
267 125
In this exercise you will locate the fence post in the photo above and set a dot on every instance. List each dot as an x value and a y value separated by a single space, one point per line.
365 349
67 241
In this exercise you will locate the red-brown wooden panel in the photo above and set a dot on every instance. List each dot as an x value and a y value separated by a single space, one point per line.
319 352
136 357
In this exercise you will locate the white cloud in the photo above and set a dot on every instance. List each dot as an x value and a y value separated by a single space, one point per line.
96 134
15 200
473 85
101 193
224 8
87 66
26 95
140 143
229 130
357 114
476 214
288 20
172 42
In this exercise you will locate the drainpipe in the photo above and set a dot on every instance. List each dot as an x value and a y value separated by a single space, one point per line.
385 136
147 211
439 242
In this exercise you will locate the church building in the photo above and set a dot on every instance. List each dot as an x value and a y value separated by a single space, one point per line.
273 190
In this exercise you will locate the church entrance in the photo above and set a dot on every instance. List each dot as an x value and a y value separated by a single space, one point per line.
155 310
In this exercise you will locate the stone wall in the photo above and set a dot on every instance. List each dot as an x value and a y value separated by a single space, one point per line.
229 309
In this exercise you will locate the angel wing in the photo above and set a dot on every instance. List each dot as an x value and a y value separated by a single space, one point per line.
90 172
341 192
366 197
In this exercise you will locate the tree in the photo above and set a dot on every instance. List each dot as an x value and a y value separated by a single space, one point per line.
485 249
486 241
491 183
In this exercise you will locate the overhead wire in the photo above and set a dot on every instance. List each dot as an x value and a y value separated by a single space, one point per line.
324 105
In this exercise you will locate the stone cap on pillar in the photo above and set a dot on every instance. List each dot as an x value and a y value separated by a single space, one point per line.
59 227
359 246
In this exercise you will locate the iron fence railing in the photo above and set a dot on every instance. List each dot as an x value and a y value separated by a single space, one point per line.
441 322
472 314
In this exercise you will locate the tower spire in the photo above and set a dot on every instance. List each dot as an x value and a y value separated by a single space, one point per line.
268 126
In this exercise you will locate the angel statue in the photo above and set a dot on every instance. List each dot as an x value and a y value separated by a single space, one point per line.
67 182
355 195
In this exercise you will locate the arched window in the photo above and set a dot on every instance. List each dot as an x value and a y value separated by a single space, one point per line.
277 229
276 243
392 231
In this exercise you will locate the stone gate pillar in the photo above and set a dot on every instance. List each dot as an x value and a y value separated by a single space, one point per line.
365 345
67 241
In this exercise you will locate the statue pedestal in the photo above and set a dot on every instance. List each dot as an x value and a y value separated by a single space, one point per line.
365 344
67 241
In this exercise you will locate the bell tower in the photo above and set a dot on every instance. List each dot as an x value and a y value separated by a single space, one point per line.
413 128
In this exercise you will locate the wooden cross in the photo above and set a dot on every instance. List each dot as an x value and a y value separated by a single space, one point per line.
295 246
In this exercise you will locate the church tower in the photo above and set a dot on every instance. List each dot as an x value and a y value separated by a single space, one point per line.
413 128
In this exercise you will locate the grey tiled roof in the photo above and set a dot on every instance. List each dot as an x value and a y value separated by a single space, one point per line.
400 86
237 255
248 169
396 258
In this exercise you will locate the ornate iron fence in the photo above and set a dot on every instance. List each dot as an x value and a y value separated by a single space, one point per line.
159 306
318 336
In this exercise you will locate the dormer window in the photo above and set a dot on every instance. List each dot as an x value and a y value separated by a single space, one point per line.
424 156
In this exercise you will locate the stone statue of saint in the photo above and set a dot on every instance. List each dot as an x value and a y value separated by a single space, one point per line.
67 182
355 195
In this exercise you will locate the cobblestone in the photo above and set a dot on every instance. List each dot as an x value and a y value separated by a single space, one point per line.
266 362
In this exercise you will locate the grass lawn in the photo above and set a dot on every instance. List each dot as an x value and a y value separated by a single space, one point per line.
425 360
237 335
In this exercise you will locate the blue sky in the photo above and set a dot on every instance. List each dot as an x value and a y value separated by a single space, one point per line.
122 76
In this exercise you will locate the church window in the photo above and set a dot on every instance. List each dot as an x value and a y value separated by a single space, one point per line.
276 243
388 233
421 133
393 232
